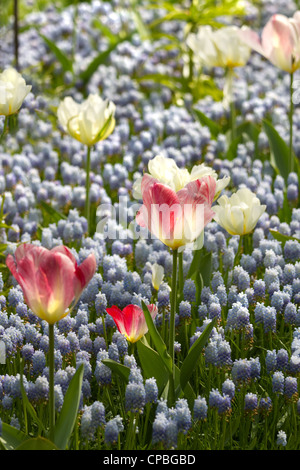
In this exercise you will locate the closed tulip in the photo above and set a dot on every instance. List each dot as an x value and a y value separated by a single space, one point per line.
131 320
90 121
176 218
51 280
157 275
279 42
239 214
13 91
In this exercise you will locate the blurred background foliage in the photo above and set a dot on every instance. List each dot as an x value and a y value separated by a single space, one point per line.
189 14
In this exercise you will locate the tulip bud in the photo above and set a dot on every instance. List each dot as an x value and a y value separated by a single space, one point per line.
13 91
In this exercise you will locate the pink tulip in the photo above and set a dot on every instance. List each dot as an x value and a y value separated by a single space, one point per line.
51 280
279 43
131 321
176 218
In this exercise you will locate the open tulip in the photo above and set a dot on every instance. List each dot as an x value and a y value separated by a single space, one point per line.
279 42
131 320
219 48
51 280
90 121
176 218
13 91
239 214
166 171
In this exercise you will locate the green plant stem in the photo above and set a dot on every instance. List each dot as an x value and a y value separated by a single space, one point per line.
172 323
16 33
5 127
291 121
51 383
87 188
180 272
173 305
229 92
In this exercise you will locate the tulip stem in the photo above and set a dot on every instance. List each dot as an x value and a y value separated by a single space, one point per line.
5 127
180 272
16 33
291 121
87 187
172 322
51 381
173 305
228 91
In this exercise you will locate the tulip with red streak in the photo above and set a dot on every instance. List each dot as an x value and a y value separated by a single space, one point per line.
51 280
131 320
176 218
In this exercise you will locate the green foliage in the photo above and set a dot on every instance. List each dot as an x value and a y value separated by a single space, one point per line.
68 414
279 151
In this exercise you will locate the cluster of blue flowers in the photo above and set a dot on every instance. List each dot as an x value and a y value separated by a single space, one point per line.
251 294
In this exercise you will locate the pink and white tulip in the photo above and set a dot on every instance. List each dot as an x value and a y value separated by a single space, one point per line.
279 42
51 280
131 320
176 218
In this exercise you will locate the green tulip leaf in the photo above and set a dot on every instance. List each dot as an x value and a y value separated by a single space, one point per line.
157 339
121 370
152 364
37 443
214 128
28 405
65 62
11 437
67 417
280 152
193 355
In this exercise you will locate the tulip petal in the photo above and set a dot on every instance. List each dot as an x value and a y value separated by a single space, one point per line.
83 274
252 39
118 318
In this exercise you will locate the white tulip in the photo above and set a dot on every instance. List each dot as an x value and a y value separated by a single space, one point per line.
220 48
239 213
13 91
166 171
157 275
89 122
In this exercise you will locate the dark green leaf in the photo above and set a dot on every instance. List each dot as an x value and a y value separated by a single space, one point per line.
201 265
152 364
194 267
214 128
279 150
188 392
54 214
37 443
101 58
157 339
67 417
193 355
243 132
281 237
28 405
11 437
121 370
65 62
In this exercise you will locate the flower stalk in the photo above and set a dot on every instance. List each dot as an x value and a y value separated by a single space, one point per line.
51 383
291 112
87 189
